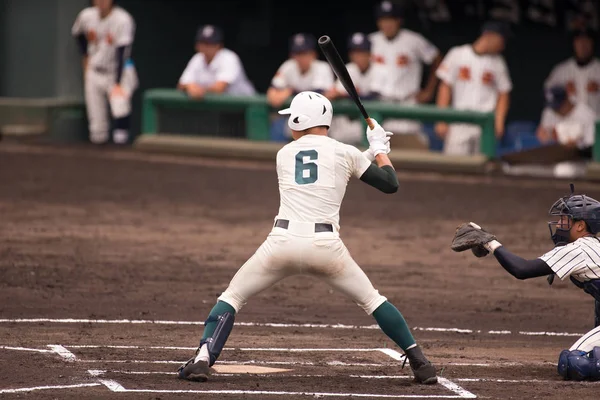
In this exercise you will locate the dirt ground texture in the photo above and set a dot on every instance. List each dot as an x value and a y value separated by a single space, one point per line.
105 234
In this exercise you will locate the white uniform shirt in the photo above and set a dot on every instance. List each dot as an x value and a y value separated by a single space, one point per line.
580 259
318 77
403 55
579 124
476 80
104 35
373 80
582 83
313 173
224 67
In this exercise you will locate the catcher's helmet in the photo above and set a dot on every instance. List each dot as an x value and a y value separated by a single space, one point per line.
577 208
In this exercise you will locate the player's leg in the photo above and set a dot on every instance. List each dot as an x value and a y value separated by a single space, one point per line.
351 280
582 360
122 127
96 107
261 271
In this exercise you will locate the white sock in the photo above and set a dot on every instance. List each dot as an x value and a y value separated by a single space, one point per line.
120 136
203 354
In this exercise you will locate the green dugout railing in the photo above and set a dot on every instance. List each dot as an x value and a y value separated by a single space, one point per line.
257 112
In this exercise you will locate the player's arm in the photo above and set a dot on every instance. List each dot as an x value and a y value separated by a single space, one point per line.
502 106
519 267
429 54
78 32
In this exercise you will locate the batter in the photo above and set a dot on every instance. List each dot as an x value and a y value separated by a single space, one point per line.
313 172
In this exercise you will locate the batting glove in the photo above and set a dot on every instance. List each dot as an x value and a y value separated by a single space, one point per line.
378 139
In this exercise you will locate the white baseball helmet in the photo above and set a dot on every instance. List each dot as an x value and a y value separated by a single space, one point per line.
308 109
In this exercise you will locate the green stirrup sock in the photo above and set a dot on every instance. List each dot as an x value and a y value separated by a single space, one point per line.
219 308
392 323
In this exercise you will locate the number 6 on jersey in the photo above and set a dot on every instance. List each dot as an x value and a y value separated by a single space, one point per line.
306 171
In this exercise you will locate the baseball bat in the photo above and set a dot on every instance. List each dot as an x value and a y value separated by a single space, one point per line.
339 68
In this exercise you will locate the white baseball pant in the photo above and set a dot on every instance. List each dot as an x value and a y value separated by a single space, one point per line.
588 341
298 250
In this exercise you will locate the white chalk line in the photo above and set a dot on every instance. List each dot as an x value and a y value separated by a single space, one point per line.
55 387
273 325
25 349
117 387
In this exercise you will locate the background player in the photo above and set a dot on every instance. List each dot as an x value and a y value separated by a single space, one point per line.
404 52
313 173
576 255
474 77
214 68
580 74
105 35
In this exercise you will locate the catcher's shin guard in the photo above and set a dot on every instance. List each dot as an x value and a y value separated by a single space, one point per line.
578 365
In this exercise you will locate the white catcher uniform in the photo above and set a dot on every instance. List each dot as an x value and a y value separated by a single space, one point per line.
103 37
313 173
404 56
476 81
581 82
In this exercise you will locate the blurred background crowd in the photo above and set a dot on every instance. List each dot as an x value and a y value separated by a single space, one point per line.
531 62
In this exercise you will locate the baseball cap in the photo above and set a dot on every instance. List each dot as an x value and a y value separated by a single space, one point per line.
302 42
388 8
500 27
308 109
359 41
555 96
209 34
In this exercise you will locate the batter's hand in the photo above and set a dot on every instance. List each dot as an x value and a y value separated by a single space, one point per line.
378 139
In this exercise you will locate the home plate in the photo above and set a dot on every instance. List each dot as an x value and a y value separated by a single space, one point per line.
247 369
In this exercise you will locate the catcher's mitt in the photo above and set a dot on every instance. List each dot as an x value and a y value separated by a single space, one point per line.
471 236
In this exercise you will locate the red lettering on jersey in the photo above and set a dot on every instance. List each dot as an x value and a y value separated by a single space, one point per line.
91 36
402 60
487 78
378 59
570 87
464 73
593 87
109 39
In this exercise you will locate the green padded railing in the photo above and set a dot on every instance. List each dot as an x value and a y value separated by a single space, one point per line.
257 113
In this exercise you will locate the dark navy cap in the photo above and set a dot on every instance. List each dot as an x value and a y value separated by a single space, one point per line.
500 27
301 42
388 8
359 42
555 96
209 34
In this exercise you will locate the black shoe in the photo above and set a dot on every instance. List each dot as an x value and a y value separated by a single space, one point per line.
423 370
194 371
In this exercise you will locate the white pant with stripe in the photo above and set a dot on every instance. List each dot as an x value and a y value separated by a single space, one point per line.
588 341
298 250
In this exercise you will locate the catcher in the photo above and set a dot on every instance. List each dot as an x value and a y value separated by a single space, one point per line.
576 255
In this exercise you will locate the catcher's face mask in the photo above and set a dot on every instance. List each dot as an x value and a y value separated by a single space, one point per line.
560 228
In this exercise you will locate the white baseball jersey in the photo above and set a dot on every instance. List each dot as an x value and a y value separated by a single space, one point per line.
313 173
373 80
226 66
476 80
579 259
582 83
403 55
319 77
579 124
104 35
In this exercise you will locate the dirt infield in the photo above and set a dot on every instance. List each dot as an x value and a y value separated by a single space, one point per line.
110 260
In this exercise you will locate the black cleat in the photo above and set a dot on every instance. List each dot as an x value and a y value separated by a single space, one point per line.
423 370
194 371
425 374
